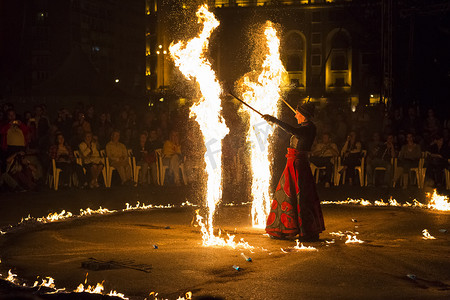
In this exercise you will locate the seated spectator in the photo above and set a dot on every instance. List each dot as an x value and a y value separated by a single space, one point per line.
91 159
146 158
351 154
14 134
380 155
408 158
323 154
154 141
172 155
64 159
21 170
437 160
118 157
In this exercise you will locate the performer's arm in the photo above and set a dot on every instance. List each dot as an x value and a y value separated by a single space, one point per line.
286 127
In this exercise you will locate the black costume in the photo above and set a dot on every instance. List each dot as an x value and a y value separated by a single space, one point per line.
295 208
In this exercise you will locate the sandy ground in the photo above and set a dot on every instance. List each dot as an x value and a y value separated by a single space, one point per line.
376 269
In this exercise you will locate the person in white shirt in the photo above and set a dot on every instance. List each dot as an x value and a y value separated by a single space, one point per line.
118 157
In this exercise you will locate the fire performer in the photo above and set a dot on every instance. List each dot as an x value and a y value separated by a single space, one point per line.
295 208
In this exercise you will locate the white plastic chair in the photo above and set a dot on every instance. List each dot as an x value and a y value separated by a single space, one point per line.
360 169
420 171
161 168
394 166
53 180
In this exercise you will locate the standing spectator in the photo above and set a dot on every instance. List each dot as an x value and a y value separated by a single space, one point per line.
64 160
122 121
103 129
64 122
437 160
351 154
172 155
42 123
432 124
91 159
14 134
323 154
90 114
408 158
118 157
380 155
81 122
411 123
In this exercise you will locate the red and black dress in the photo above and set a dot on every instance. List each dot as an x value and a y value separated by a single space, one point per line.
296 208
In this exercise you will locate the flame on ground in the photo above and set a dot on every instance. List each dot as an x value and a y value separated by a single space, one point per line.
11 277
301 247
191 60
46 282
263 95
427 235
353 240
187 296
212 240
438 202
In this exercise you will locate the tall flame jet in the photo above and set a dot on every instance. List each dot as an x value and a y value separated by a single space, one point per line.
191 59
263 95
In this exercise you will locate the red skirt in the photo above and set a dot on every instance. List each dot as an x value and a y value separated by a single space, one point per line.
296 207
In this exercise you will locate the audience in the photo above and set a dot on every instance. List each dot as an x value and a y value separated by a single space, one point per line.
172 155
323 154
408 158
33 133
380 154
91 159
62 153
118 157
437 161
351 154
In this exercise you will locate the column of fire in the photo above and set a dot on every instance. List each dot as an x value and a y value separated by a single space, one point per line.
263 95
191 59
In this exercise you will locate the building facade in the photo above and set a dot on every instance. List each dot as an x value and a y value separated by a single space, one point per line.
330 49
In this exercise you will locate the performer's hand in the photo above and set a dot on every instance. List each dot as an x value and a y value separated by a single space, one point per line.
268 118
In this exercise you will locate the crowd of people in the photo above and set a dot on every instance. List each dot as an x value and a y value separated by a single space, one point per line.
78 141
394 141
81 143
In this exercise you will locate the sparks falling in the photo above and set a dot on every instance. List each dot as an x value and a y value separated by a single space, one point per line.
263 95
191 59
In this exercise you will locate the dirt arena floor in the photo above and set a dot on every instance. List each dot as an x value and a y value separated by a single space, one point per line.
137 252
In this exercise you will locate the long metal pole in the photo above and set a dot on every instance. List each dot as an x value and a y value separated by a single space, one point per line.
242 101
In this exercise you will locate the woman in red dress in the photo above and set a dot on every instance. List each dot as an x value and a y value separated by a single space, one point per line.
295 209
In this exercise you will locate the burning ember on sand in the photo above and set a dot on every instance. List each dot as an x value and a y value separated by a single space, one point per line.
298 247
351 236
427 235
262 92
190 58
438 202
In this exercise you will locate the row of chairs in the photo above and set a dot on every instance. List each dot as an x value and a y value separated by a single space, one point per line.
339 172
107 172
